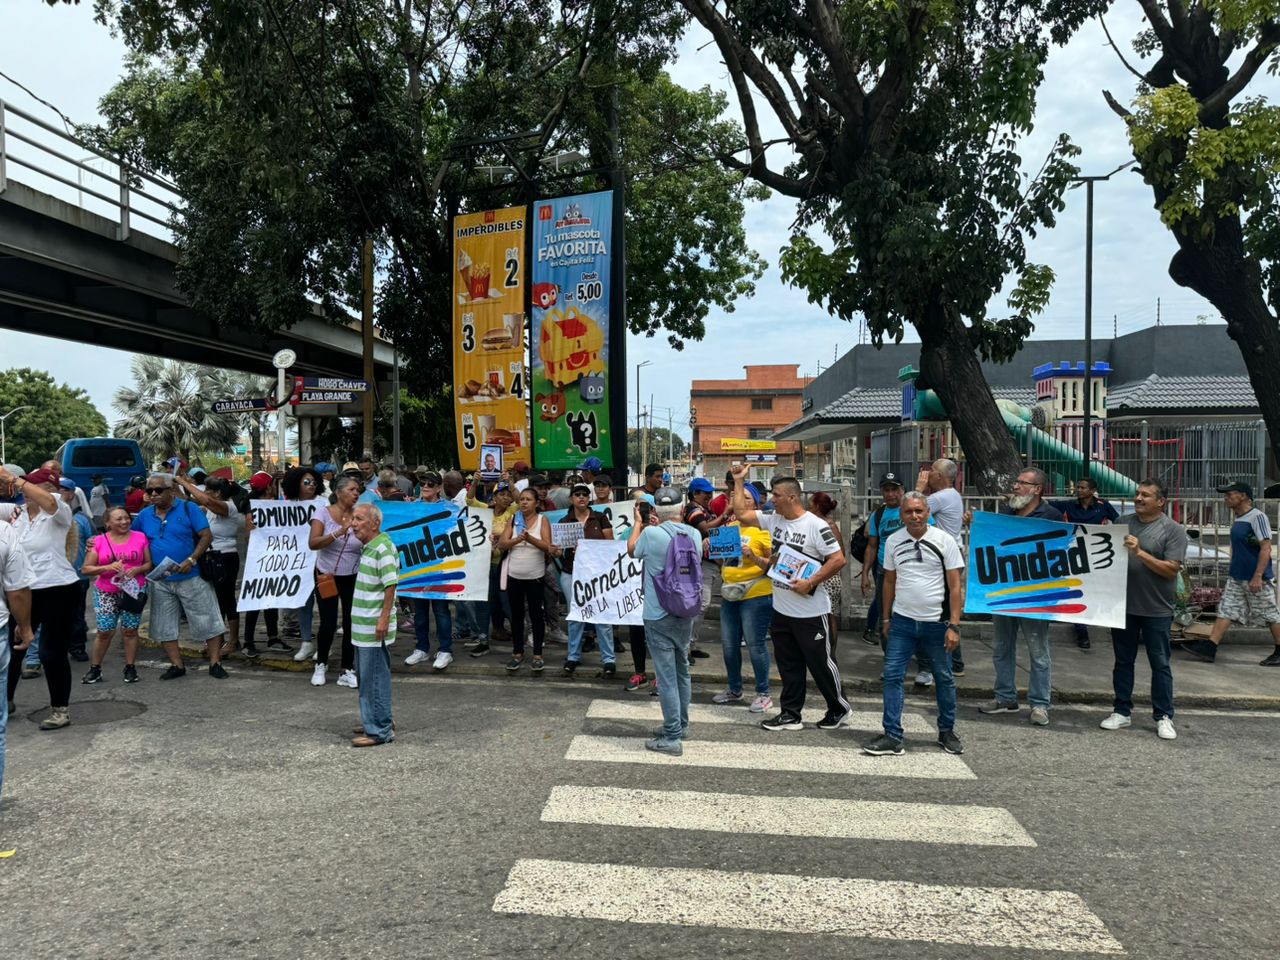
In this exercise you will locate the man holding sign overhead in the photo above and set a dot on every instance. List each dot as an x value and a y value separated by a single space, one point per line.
800 607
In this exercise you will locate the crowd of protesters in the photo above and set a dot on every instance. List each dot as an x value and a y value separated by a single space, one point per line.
57 546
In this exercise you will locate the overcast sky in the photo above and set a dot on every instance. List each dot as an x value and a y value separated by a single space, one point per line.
68 60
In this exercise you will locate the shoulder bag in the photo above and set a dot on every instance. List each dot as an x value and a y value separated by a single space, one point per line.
326 586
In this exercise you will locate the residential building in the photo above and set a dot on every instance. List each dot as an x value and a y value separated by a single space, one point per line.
737 419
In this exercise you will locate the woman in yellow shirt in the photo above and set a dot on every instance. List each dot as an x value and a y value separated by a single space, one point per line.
746 607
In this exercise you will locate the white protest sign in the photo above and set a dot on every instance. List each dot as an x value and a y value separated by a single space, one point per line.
279 568
608 585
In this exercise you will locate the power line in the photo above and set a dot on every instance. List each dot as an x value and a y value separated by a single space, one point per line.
66 121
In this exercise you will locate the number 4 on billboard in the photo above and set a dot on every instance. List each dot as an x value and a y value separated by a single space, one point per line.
517 381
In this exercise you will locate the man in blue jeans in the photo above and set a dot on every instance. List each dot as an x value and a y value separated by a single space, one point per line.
1157 546
922 599
1024 501
16 580
667 636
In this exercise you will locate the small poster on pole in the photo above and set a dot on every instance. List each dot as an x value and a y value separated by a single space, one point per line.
490 462
725 543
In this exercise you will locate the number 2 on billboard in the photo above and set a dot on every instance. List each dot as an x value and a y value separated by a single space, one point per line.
512 266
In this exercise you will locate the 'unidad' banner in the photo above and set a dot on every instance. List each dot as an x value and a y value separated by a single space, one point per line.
444 549
1028 567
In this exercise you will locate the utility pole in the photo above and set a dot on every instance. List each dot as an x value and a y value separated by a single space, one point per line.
367 331
671 443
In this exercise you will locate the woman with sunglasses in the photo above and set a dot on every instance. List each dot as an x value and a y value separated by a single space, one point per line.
339 556
42 530
527 540
594 527
225 523
118 555
305 485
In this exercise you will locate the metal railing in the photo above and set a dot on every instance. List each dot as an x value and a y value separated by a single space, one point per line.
39 155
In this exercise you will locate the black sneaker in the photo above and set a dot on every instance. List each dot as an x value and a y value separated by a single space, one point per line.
173 673
251 650
696 654
218 672
514 664
1202 650
832 721
79 655
93 676
957 669
783 721
130 673
608 671
884 746
871 638
949 742
275 643
1273 660
480 649
570 666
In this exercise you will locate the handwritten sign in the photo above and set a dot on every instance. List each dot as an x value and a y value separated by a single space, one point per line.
608 585
279 567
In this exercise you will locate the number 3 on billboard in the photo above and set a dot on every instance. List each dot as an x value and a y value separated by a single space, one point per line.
468 435
468 338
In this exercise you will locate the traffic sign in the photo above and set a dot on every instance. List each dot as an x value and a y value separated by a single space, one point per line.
284 359
243 406
326 396
335 383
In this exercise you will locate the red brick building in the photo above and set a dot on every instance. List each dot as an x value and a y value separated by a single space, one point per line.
753 408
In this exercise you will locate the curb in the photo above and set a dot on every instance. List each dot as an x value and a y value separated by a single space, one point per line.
466 666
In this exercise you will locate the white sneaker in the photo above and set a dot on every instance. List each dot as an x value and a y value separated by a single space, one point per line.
761 703
1164 729
1115 722
306 652
415 658
924 679
443 659
348 679
317 675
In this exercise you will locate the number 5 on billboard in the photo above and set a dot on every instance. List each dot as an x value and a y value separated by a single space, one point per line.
468 434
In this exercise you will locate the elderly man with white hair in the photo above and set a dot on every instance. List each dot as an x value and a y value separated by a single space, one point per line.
373 625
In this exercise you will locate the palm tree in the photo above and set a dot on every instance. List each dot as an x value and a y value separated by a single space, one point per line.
241 386
169 409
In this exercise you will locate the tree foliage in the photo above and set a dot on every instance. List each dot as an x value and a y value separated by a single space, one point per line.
58 413
1210 151
658 447
905 119
169 409
297 130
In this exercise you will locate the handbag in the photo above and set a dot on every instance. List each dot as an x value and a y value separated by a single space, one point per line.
733 592
326 585
128 602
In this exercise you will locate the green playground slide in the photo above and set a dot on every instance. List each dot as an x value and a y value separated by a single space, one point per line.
1050 450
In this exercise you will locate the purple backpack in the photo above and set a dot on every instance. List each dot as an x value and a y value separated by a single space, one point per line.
678 584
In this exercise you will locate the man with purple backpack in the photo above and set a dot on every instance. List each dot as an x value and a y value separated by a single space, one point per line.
672 555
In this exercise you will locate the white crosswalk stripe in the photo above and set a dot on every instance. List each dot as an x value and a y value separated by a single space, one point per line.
931 765
786 816
700 713
878 909
881 909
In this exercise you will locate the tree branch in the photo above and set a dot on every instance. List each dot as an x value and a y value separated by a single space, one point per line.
1220 99
1102 20
826 33
1119 109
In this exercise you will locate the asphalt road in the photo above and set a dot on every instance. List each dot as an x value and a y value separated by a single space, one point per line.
231 819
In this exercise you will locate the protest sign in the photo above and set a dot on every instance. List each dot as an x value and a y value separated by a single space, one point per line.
490 462
618 515
792 565
1043 570
279 566
726 543
566 535
608 585
444 549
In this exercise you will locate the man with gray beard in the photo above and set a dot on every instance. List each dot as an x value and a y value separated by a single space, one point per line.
1024 501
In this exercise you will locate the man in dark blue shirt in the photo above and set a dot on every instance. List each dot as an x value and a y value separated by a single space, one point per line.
1085 508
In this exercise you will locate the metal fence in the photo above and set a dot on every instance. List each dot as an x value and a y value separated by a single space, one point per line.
48 159
1191 460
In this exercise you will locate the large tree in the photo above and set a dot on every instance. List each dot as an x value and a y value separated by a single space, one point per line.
1209 147
57 413
297 130
905 119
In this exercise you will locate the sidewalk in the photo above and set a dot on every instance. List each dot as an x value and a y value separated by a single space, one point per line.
1079 676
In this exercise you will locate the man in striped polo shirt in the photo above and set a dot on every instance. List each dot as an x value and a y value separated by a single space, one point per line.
373 625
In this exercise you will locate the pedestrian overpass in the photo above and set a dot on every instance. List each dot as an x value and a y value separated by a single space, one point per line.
86 255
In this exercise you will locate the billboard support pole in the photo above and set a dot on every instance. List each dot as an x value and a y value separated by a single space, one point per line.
618 301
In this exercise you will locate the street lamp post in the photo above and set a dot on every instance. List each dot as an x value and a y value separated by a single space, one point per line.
640 466
1087 442
3 451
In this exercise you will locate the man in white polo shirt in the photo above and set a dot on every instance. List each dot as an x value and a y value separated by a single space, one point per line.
922 601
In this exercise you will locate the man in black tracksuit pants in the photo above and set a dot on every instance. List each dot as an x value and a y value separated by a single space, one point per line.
799 627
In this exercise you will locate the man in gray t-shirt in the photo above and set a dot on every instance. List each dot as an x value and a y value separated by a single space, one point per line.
1157 545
